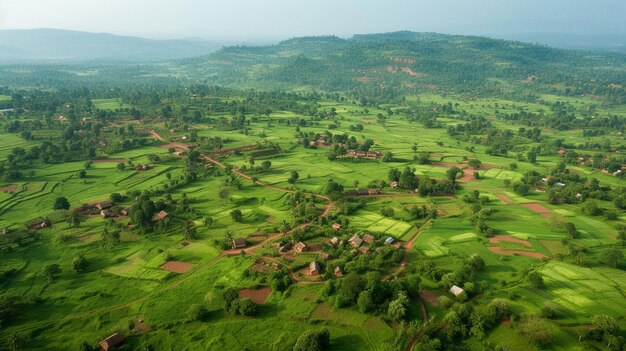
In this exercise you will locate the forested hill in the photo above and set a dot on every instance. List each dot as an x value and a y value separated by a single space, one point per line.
53 45
386 64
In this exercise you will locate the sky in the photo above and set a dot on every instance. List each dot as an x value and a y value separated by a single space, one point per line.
277 19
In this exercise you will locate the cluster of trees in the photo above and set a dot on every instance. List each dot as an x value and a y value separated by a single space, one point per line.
235 305
425 186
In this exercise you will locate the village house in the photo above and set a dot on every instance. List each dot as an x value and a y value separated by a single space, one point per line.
324 256
334 241
368 238
389 241
159 216
455 290
104 205
562 152
355 241
239 243
300 247
111 342
394 185
314 268
364 250
38 223
336 226
338 271
105 214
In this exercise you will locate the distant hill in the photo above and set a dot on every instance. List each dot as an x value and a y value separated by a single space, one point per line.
392 64
54 45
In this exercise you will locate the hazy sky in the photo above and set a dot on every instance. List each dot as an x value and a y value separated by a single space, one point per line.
238 19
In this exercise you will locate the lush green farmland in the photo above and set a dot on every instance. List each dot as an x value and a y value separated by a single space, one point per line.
326 211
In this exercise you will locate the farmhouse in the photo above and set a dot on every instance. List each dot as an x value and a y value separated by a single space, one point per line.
239 243
300 247
394 185
334 241
324 256
369 155
368 238
38 223
355 241
389 241
159 216
105 214
104 205
455 290
338 271
314 268
336 226
364 250
111 342
562 152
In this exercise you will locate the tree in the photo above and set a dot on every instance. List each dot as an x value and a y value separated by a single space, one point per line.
365 302
236 215
196 312
532 156
79 263
612 257
397 307
246 307
571 230
313 340
116 197
61 203
73 220
538 331
452 173
265 165
388 156
535 279
293 178
82 174
208 221
476 262
229 295
605 328
189 232
110 238
51 271
121 166
474 163
224 193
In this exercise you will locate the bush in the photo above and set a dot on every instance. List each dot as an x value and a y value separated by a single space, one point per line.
196 312
312 340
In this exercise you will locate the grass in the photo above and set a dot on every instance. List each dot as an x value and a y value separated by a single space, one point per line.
128 276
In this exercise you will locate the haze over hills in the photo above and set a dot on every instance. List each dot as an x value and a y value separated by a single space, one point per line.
55 45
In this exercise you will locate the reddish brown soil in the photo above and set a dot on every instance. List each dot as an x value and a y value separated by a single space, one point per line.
430 297
8 188
498 238
177 266
506 322
504 198
516 252
110 160
259 296
270 219
544 212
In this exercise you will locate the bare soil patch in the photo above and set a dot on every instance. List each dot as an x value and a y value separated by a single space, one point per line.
259 296
171 145
8 188
498 238
177 266
270 219
543 211
430 297
110 160
504 198
531 254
